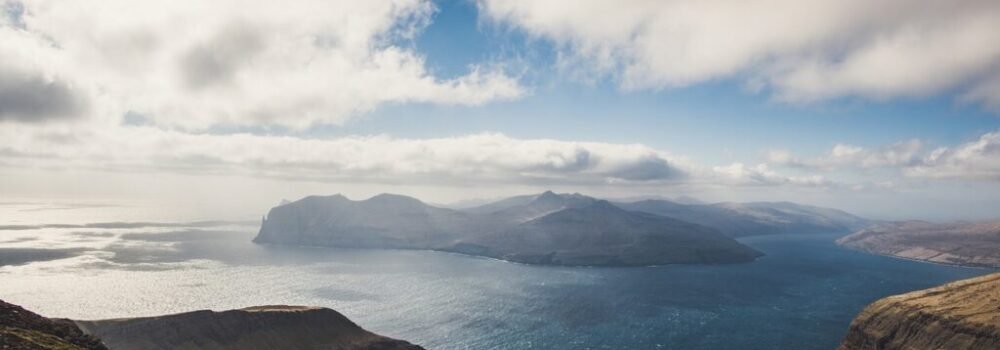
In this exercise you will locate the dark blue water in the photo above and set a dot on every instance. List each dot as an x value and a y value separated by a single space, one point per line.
801 295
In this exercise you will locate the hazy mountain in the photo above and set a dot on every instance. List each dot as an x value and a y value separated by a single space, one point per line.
262 327
961 243
756 218
547 228
383 221
958 315
683 199
603 234
525 208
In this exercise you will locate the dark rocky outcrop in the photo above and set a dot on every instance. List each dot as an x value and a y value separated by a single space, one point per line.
548 228
263 327
960 315
961 243
21 329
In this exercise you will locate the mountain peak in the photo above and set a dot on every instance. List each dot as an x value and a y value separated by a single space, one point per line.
548 194
393 198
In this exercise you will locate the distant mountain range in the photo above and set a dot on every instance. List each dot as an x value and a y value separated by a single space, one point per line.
959 243
548 228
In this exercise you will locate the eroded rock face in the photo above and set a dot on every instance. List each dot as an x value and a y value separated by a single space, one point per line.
959 315
262 327
21 329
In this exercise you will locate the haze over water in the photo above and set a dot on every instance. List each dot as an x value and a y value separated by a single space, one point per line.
801 295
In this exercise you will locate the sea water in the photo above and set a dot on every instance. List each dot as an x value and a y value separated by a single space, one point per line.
105 261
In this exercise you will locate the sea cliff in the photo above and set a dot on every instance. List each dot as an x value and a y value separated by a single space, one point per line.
959 315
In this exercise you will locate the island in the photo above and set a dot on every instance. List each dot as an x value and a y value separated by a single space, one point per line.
547 228
959 315
261 327
961 243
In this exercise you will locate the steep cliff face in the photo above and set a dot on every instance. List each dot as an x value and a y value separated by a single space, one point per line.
959 315
262 327
21 329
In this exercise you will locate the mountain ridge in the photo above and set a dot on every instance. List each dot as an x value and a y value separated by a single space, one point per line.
258 327
499 230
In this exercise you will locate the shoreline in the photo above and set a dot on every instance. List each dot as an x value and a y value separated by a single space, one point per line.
888 255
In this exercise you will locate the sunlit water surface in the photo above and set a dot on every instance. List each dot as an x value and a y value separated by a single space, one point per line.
113 260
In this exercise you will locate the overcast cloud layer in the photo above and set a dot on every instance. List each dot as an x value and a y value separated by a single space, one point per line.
801 50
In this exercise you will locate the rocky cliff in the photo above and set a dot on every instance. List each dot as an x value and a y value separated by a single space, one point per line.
960 315
21 329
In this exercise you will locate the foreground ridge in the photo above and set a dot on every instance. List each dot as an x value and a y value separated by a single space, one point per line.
258 327
958 315
21 329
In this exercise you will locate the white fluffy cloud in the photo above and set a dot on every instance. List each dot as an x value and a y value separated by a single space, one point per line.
762 175
974 160
480 158
801 50
196 64
979 159
901 154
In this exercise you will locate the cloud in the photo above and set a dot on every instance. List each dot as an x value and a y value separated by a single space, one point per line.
976 160
900 154
973 160
762 175
29 97
217 61
800 50
987 93
481 158
193 65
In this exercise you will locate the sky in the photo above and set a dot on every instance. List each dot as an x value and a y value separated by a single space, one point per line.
889 110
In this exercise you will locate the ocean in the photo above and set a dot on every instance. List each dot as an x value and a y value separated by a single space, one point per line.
105 260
